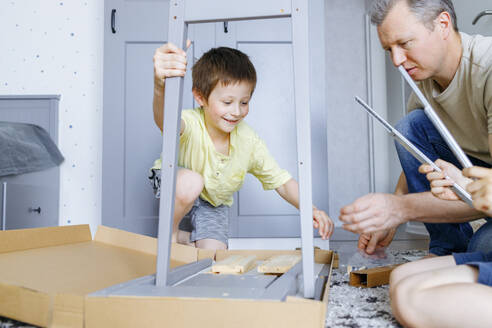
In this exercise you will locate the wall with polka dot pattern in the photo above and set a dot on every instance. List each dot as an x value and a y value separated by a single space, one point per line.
56 47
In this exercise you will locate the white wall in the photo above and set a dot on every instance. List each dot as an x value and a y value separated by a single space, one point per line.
56 47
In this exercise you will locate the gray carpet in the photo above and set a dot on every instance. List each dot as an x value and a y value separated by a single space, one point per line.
362 307
348 306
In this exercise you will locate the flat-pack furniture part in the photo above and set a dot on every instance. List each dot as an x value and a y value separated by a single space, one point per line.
46 273
412 149
184 12
151 311
278 264
436 121
371 277
235 264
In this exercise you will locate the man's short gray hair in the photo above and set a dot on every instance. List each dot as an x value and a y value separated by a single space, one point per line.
425 10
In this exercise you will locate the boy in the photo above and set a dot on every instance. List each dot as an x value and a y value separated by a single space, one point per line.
453 290
217 148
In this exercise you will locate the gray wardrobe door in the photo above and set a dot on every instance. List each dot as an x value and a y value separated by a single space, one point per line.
131 140
255 212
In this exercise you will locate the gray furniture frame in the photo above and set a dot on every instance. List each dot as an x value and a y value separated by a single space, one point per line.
181 14
184 281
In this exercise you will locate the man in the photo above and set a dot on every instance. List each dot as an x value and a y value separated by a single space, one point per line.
454 71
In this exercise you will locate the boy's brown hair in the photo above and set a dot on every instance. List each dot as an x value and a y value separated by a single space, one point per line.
224 65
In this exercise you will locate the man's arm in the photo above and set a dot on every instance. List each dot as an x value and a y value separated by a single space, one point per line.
376 212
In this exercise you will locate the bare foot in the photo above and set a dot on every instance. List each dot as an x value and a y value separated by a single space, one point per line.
429 256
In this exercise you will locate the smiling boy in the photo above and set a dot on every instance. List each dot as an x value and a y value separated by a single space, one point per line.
217 148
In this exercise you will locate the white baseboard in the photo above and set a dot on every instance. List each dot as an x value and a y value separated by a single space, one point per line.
273 243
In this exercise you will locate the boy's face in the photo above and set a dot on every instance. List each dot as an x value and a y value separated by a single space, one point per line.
226 106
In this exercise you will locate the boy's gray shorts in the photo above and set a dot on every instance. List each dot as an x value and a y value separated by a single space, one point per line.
203 221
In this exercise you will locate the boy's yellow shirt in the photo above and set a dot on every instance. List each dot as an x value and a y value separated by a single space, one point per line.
223 175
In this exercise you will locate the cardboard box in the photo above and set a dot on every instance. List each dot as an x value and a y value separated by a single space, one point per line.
149 312
371 277
47 273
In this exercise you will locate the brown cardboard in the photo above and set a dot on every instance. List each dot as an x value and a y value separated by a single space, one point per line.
46 272
371 277
178 312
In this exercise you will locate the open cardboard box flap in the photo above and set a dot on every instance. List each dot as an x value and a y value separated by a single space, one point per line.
47 273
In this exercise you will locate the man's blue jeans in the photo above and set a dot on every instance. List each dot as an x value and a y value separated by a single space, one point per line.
445 238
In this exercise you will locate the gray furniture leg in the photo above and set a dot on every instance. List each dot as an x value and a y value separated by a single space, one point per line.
4 206
300 47
284 285
173 96
321 281
171 128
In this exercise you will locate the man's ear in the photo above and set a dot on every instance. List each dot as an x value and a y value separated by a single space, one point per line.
445 24
199 98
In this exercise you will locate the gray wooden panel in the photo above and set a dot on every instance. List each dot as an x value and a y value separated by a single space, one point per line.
217 9
142 139
131 140
349 172
31 206
257 213
127 202
272 115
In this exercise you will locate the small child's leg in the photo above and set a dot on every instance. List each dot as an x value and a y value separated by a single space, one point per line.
183 237
445 297
210 244
189 185
419 266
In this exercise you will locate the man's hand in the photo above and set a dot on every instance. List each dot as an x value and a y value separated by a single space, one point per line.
369 243
323 223
372 212
440 185
481 189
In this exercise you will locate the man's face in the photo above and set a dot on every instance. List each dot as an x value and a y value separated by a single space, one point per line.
411 44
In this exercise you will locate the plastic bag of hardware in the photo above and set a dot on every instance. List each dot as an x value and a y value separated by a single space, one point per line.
361 260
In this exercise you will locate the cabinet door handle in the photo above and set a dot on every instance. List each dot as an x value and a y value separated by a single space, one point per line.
35 209
113 20
480 15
